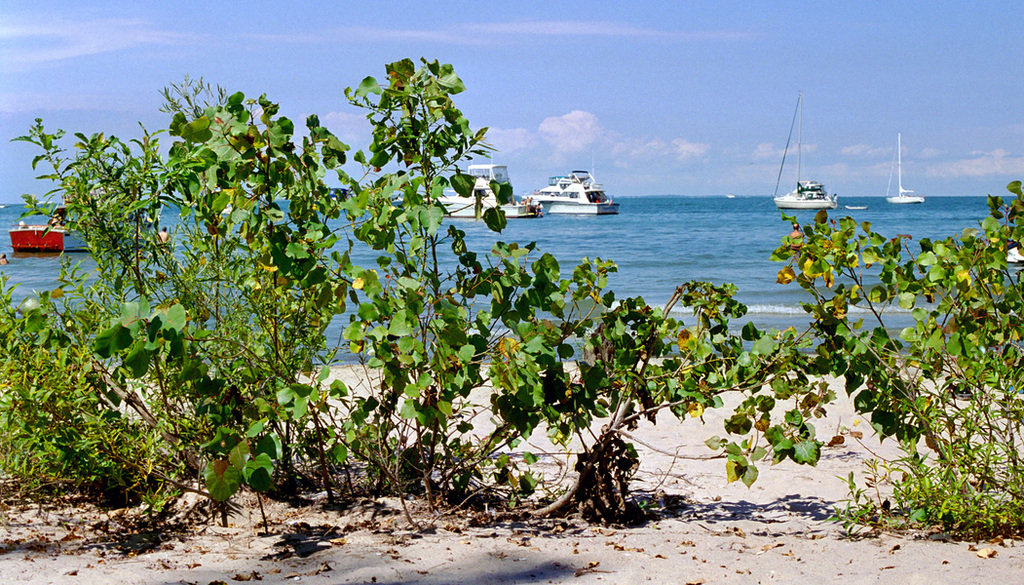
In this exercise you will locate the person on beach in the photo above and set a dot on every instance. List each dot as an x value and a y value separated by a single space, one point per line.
796 239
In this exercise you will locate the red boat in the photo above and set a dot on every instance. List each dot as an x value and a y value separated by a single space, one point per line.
36 238
51 237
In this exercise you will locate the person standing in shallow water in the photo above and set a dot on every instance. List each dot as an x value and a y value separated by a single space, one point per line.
163 235
796 239
3 259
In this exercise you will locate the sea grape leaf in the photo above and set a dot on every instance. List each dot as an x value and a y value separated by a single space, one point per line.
806 452
222 479
463 184
258 472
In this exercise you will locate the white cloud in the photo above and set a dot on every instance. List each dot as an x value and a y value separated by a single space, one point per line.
638 148
556 28
865 151
510 140
996 162
766 150
572 132
930 152
33 43
482 33
685 149
352 128
643 149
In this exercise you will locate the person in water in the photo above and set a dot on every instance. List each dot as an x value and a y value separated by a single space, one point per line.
796 239
163 235
3 259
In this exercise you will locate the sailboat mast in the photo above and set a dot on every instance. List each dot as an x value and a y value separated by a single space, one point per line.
799 139
899 159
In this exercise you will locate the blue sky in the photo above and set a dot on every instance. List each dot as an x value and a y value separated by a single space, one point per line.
691 98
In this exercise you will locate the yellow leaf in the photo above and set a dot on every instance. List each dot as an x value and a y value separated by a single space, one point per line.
508 346
358 284
963 275
57 293
268 267
987 553
829 279
839 311
695 409
786 276
684 339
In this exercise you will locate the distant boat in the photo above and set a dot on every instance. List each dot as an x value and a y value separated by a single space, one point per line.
730 196
456 206
808 194
855 206
48 237
576 193
905 195
1013 255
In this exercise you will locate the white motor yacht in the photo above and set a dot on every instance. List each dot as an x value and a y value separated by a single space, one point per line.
576 193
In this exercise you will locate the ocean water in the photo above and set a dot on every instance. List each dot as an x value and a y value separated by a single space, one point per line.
658 243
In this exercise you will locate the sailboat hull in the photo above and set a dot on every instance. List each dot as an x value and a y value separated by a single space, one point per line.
788 203
905 199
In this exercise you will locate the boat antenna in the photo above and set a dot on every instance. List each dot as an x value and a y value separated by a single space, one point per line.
786 150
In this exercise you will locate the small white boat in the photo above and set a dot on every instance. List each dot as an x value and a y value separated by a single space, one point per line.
456 206
576 193
808 194
730 196
905 195
855 207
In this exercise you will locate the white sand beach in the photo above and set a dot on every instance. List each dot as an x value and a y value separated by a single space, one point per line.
706 531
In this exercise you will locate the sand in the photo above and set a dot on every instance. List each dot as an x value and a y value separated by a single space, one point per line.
705 531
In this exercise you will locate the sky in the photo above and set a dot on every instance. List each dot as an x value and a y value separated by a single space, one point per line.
688 98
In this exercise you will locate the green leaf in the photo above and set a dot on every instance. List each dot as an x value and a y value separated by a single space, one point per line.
138 358
369 85
296 250
806 452
750 475
907 300
112 340
495 219
258 472
793 417
197 130
269 444
222 479
763 346
174 318
463 184
716 442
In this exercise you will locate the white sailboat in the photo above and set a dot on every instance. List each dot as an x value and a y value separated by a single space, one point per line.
808 194
905 195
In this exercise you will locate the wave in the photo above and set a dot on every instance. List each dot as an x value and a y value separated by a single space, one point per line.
778 309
